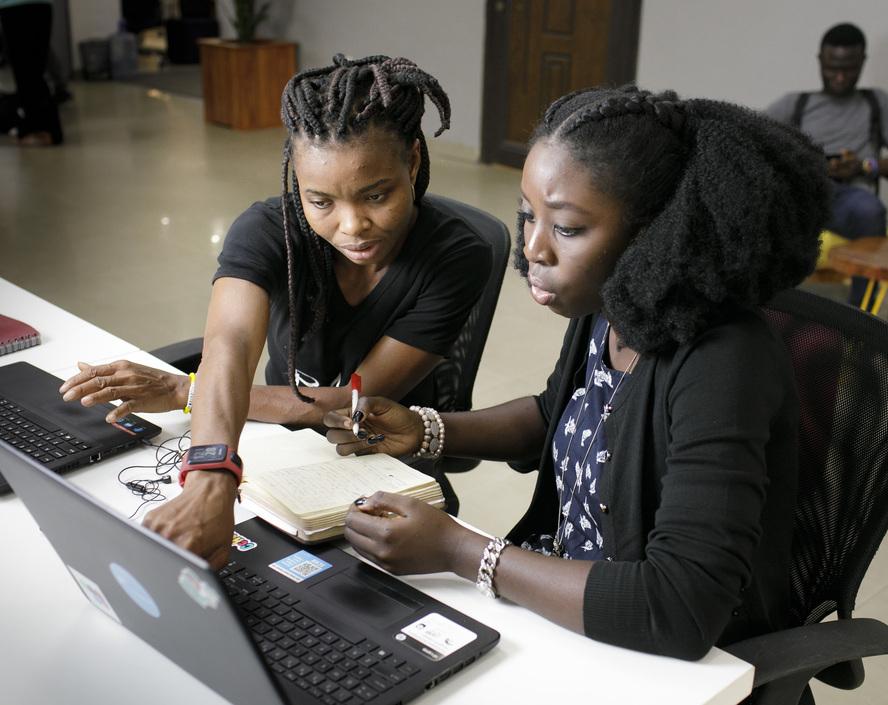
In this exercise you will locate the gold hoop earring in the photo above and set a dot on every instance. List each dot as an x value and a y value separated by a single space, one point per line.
413 192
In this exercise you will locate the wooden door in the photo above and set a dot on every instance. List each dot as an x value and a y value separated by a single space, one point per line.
538 50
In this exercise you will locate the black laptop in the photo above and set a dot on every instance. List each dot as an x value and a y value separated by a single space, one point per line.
61 435
304 624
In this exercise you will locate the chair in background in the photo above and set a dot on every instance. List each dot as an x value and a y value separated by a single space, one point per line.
865 257
840 358
139 15
196 20
184 355
454 376
144 19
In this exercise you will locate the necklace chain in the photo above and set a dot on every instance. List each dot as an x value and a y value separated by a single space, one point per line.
557 546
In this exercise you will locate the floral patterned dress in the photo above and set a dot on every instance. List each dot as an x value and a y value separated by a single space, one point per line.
580 454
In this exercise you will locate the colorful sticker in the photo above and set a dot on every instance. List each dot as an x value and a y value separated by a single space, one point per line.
94 593
242 543
136 591
300 566
435 636
198 590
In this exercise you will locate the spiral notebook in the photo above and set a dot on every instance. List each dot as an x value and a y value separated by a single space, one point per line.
16 335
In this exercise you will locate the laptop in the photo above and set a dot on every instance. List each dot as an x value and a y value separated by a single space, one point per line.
61 435
304 624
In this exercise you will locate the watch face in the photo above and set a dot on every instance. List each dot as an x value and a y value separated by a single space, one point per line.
207 454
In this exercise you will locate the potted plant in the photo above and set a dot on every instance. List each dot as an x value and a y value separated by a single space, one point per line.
243 78
246 18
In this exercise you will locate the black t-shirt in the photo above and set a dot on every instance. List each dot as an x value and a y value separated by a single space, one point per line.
422 300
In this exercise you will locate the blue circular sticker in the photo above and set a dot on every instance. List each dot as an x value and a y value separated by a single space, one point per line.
135 590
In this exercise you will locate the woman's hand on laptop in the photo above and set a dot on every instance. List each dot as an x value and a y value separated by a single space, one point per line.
137 387
201 519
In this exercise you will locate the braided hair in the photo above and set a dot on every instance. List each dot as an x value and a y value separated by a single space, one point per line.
334 104
724 206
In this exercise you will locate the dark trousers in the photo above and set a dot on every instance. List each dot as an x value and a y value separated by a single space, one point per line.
26 32
856 213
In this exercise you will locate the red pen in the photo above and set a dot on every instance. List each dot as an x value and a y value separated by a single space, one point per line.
356 392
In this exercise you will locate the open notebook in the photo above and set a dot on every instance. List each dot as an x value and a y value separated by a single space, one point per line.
298 483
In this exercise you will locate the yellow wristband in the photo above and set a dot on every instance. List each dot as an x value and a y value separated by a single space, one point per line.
192 377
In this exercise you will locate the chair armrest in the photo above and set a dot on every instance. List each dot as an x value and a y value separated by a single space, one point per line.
184 355
786 660
454 464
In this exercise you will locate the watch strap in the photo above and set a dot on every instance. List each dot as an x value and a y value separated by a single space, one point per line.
232 464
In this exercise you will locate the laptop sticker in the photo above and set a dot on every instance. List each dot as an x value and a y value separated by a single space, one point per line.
242 543
300 566
136 591
197 589
435 636
93 593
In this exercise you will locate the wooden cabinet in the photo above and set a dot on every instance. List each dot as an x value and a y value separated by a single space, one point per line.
243 81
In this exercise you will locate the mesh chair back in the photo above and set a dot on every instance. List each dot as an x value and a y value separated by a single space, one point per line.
455 376
840 358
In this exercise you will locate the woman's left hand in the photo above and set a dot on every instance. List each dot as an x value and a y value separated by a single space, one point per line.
403 535
138 387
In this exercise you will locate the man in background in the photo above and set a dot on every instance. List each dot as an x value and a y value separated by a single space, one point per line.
850 124
27 25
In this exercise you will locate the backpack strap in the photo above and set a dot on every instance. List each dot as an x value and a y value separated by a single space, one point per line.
801 102
875 118
875 123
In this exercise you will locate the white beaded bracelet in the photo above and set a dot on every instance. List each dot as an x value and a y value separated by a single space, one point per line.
433 433
489 560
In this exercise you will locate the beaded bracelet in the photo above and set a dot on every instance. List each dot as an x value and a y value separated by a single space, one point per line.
487 568
192 377
433 433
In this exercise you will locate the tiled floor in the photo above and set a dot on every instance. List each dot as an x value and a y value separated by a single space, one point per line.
123 223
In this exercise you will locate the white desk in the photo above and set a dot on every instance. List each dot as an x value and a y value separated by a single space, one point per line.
66 339
56 648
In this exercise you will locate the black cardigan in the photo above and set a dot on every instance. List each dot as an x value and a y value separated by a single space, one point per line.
699 492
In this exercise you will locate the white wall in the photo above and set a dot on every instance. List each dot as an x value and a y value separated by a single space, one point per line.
750 51
445 38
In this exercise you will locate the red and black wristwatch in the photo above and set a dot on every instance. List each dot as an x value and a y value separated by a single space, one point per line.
214 457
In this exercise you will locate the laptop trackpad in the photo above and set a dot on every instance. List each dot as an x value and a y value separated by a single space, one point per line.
369 599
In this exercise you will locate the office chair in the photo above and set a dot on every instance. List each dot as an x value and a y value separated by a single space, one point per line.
139 15
454 377
184 355
197 20
840 358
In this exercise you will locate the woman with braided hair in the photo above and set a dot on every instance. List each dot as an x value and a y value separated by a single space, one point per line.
666 436
350 270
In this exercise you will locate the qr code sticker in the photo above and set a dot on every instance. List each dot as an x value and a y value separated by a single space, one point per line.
300 566
306 569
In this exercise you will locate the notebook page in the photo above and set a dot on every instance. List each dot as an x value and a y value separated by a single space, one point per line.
318 487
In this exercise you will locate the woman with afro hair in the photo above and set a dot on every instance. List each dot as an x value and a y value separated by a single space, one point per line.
666 436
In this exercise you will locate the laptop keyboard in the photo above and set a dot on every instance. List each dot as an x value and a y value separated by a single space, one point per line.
38 437
328 666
